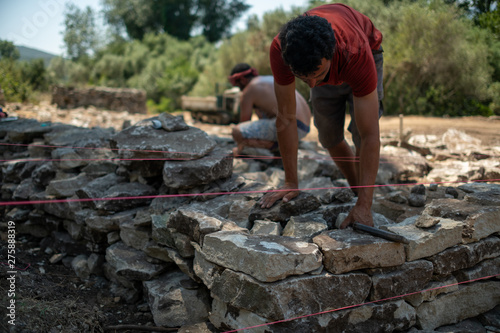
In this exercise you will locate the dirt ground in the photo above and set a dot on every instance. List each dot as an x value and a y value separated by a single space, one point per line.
50 298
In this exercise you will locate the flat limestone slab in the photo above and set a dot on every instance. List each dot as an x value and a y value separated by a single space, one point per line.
291 297
347 250
427 242
266 258
469 301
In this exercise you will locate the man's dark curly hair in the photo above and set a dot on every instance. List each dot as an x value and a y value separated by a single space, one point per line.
305 41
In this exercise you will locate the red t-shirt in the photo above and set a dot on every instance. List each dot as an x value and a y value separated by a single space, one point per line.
352 61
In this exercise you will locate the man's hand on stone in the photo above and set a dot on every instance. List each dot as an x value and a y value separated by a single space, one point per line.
286 193
359 214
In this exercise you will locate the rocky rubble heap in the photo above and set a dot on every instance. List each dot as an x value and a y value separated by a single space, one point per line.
166 214
115 99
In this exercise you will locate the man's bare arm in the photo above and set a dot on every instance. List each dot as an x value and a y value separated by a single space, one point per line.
246 105
366 115
286 127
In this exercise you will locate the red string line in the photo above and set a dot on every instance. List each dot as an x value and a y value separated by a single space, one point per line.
361 304
19 269
38 202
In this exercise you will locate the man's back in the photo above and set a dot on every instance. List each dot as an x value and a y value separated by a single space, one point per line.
260 92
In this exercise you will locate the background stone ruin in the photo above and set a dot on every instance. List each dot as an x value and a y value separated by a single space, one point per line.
115 99
168 215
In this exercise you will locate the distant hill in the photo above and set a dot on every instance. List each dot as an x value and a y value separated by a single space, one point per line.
27 53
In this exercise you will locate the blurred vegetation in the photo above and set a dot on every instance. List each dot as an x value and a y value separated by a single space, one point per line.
441 57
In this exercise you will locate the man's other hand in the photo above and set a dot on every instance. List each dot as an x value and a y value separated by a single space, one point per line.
287 193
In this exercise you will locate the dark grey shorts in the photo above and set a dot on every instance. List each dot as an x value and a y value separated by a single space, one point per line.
329 106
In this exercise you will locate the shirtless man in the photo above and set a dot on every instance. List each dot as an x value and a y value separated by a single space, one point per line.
258 94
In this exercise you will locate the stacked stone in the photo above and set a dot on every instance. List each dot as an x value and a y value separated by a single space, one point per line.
114 99
127 205
257 278
72 181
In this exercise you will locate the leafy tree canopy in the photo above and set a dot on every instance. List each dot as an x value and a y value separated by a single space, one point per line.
179 18
8 50
80 35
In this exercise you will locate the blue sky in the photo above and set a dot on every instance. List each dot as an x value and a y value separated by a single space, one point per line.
39 23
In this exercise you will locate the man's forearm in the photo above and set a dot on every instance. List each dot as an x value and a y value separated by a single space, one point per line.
368 167
288 143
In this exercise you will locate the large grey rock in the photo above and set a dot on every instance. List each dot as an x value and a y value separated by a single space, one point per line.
427 242
486 198
305 227
380 318
399 280
142 141
63 188
194 223
432 290
479 221
131 264
25 190
469 301
43 174
118 197
292 297
346 250
266 258
97 187
108 223
134 235
282 211
465 256
190 173
22 130
172 123
266 228
175 300
483 269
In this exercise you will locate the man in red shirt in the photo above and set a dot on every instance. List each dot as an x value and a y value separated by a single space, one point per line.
336 51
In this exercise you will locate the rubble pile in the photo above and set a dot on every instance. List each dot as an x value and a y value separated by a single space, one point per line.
165 213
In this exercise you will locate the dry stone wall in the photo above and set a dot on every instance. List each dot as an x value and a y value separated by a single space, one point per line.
167 215
114 99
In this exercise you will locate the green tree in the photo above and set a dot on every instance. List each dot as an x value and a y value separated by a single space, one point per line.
79 35
8 50
250 46
179 18
15 88
34 74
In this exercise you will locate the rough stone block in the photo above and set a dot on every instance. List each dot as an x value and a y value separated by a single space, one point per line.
176 300
465 256
292 297
479 221
469 301
266 258
305 227
131 264
346 250
427 242
407 278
